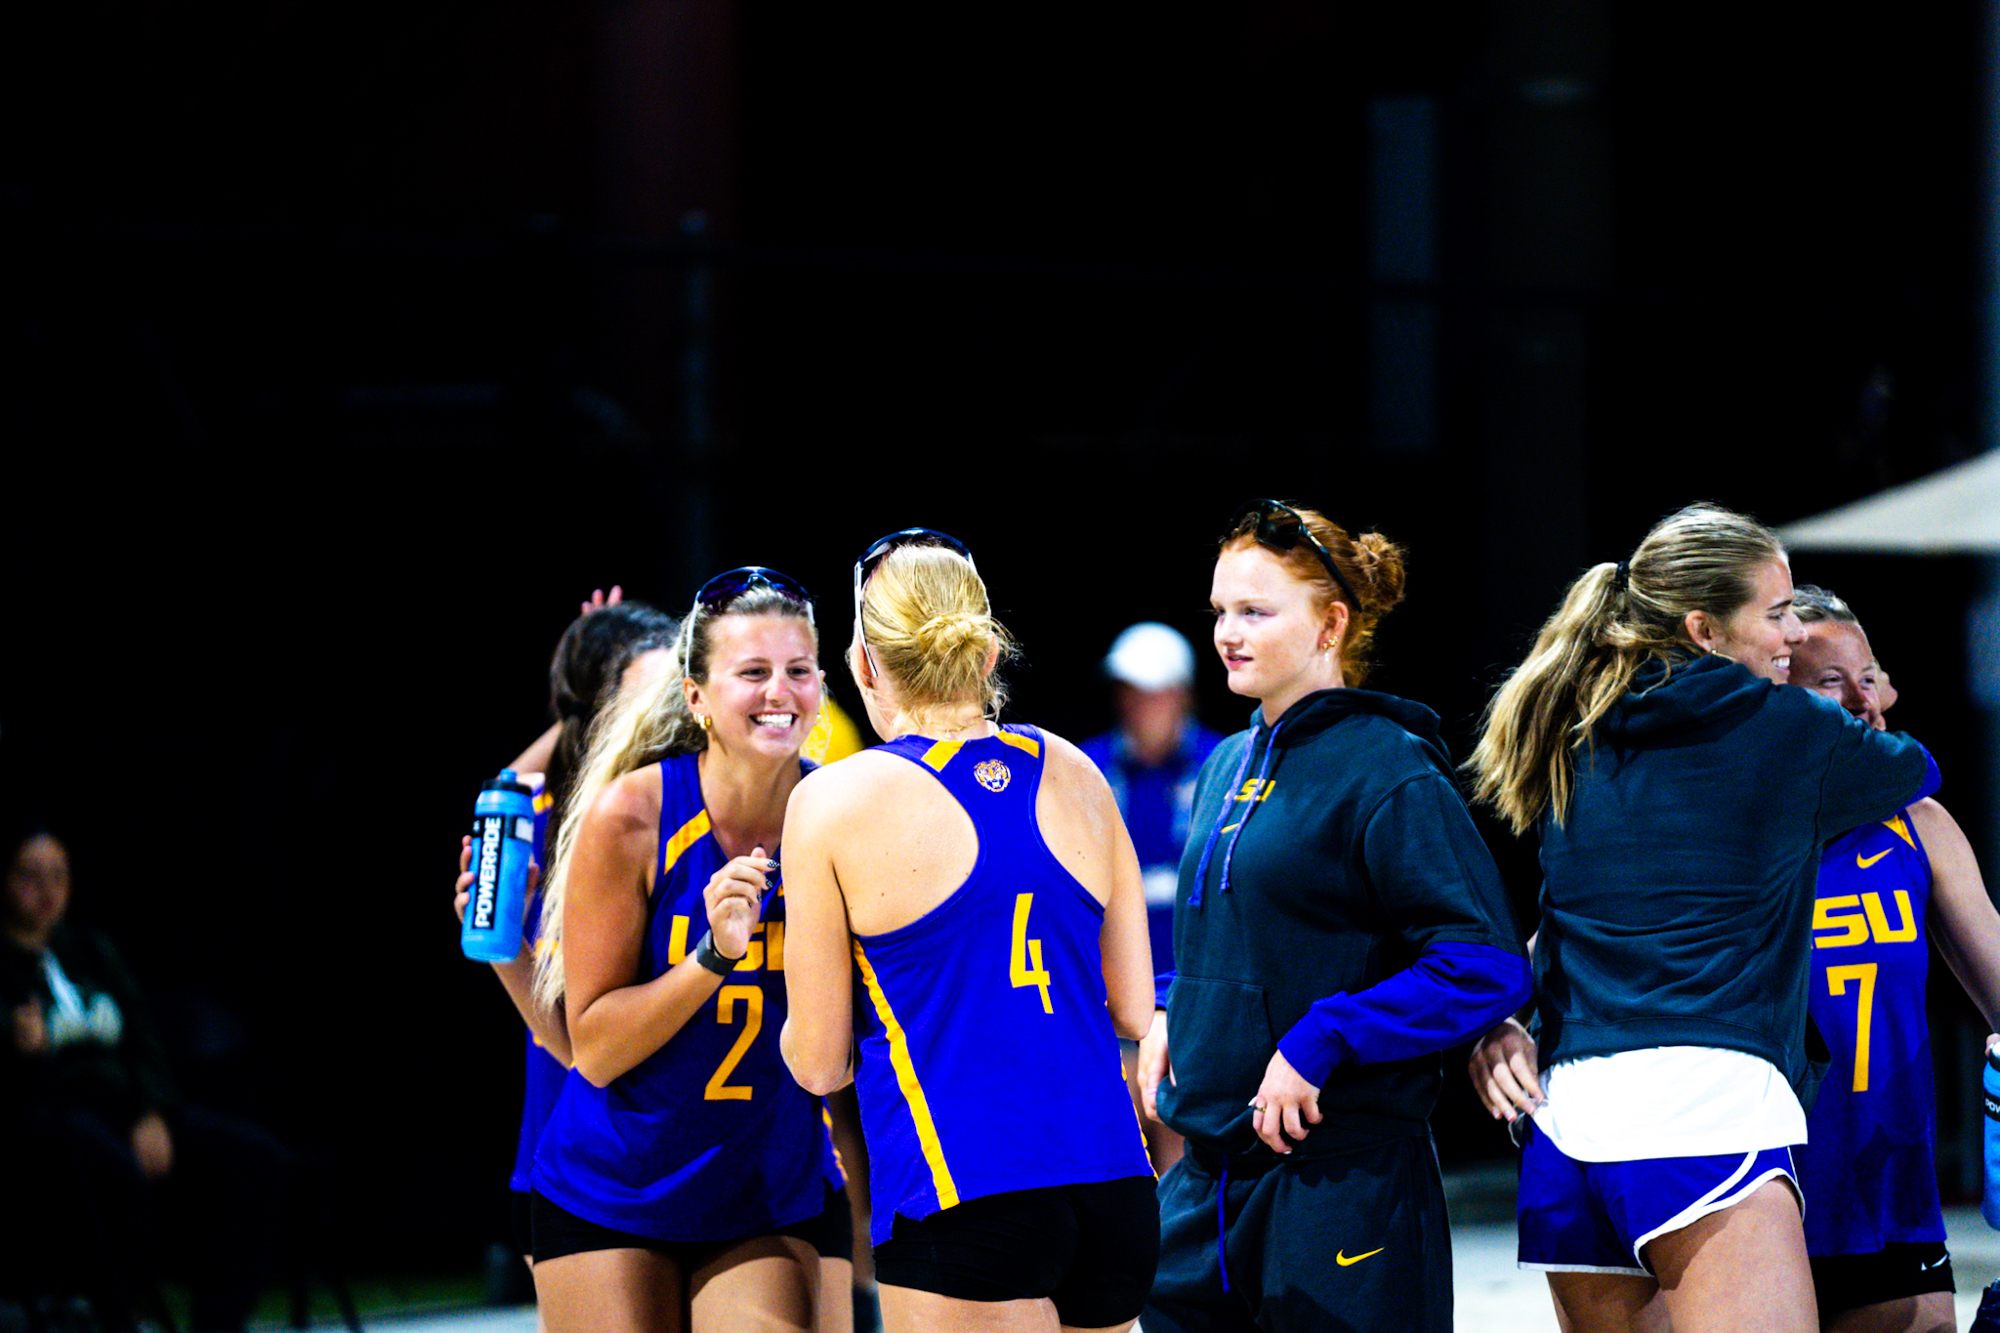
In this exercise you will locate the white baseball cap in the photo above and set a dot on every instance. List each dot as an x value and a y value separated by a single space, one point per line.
1150 656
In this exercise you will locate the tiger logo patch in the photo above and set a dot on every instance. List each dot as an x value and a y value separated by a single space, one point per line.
992 775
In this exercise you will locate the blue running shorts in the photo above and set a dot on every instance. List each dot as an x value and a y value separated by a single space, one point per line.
1597 1217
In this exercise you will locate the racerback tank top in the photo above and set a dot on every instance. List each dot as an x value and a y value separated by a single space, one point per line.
988 1063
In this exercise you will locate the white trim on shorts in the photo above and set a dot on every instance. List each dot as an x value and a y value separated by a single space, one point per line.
1712 1202
1724 1196
1578 1268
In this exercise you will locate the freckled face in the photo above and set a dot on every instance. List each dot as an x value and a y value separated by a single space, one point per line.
1268 630
1763 631
763 690
1836 661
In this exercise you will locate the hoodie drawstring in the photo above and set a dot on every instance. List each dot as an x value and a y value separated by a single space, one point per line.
1256 799
1215 829
1222 1223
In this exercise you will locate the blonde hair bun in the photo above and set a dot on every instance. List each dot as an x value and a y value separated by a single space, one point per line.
927 622
955 632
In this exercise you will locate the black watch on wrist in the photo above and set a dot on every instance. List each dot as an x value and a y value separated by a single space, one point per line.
711 958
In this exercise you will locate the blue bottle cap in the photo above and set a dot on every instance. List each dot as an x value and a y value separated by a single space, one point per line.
507 781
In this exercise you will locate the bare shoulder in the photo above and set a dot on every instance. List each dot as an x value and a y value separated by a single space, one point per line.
1071 771
851 784
1936 827
628 802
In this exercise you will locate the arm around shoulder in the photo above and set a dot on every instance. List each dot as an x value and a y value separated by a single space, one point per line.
1870 774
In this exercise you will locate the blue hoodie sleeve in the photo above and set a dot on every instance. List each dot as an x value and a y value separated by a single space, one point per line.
1452 994
1161 985
1435 882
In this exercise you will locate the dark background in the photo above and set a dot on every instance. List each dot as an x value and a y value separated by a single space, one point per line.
345 351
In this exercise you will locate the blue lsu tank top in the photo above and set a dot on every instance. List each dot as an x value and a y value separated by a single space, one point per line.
1868 1170
988 1062
544 1075
708 1138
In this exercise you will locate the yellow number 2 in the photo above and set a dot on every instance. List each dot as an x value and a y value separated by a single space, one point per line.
719 1088
1836 984
1018 970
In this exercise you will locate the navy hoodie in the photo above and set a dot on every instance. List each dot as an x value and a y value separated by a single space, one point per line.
1335 903
1677 893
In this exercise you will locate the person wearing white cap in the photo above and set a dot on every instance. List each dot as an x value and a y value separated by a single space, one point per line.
1151 762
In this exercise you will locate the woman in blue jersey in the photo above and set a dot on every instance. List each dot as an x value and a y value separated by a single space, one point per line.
1682 798
679 1180
978 880
1874 1228
620 647
1338 924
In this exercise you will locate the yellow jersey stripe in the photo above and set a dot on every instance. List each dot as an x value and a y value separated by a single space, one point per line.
839 1162
941 754
1901 830
687 836
1028 743
906 1079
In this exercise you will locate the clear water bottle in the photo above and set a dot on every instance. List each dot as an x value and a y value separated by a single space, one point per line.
503 838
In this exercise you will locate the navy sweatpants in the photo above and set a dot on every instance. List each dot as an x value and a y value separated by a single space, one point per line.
1357 1240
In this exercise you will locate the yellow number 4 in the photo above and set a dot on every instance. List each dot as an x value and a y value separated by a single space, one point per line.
1864 1011
1018 970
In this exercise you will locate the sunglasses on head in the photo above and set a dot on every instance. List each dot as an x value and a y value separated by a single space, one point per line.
716 595
881 547
1279 528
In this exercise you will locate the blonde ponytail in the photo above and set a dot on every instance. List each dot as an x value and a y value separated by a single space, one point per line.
1613 620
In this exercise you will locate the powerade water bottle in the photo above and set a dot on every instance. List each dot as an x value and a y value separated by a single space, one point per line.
1989 1081
503 836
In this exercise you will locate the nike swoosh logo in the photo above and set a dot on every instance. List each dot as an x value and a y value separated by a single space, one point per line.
1865 861
1340 1256
1226 827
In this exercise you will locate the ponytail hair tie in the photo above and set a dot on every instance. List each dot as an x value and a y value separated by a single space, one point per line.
1621 578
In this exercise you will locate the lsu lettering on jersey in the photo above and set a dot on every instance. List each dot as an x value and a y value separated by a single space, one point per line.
708 1138
988 1062
545 1075
1867 1168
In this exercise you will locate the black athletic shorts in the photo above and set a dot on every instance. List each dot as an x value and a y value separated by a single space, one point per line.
558 1232
521 1220
1091 1249
1846 1282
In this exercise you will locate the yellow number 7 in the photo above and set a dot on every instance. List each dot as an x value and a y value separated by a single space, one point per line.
1018 970
1836 984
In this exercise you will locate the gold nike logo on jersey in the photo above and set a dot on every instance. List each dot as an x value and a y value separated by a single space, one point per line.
1865 861
1340 1256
